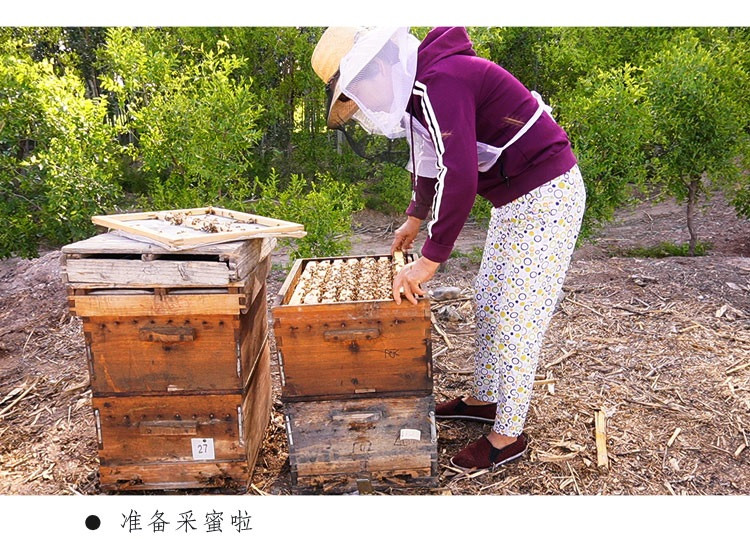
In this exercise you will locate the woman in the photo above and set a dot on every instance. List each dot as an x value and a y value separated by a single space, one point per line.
473 129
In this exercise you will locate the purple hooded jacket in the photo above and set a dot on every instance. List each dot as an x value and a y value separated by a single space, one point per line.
462 99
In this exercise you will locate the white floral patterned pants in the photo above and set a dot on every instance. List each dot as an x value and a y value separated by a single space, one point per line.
526 255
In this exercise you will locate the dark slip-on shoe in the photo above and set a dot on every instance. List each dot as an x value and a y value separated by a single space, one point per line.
457 409
483 455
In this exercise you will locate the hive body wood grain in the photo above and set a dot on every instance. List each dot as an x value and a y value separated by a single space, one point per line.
178 353
354 374
353 348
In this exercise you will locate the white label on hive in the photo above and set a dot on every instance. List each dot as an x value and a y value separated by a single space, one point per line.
407 433
203 449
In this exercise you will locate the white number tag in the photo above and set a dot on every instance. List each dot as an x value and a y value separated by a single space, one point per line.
407 433
203 449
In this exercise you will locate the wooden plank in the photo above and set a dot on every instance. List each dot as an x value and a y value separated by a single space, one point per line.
417 465
600 423
169 354
148 305
254 283
334 333
335 313
173 476
114 243
256 408
287 288
253 335
123 441
248 262
360 373
365 436
348 483
135 264
178 471
137 273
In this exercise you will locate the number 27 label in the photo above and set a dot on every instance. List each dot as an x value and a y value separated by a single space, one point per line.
203 449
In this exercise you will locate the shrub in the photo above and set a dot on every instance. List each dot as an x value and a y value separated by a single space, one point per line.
608 121
390 190
667 249
324 207
58 157
192 119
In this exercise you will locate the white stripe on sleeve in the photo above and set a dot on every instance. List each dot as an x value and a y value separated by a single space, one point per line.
437 139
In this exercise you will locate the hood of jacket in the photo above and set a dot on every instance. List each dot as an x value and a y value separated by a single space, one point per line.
442 42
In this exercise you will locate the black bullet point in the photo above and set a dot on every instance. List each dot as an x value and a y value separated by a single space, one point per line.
93 522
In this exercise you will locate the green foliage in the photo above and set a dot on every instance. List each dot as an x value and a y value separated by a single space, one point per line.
193 119
667 249
608 121
235 116
698 96
58 160
325 207
697 90
294 138
390 191
482 211
70 50
552 60
517 49
474 255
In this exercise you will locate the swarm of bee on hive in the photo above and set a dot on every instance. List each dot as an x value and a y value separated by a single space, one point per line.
209 223
348 279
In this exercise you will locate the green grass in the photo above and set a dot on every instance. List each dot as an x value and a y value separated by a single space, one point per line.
667 249
474 255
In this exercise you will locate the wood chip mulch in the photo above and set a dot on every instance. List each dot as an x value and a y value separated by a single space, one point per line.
657 349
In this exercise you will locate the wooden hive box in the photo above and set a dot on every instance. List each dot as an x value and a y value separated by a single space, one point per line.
177 349
152 442
383 442
351 349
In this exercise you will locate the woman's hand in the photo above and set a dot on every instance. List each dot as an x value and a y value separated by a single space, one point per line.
404 236
411 276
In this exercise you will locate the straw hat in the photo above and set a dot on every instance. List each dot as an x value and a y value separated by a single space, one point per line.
331 48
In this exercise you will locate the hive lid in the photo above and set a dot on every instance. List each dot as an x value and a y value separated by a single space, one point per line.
111 260
176 230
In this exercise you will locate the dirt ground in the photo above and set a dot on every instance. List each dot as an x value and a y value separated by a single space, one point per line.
659 348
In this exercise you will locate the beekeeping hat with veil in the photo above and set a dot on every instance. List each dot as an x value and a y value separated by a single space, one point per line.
369 74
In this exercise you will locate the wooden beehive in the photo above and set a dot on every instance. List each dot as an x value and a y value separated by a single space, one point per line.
384 442
356 382
178 354
353 348
183 440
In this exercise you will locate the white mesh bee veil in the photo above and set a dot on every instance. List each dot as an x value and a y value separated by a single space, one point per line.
378 75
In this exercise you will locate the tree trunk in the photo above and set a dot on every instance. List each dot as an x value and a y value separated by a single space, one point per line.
692 195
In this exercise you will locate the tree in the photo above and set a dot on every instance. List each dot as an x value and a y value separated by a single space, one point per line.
58 164
191 118
609 124
698 97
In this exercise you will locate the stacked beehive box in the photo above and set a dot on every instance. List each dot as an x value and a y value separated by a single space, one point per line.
177 347
356 377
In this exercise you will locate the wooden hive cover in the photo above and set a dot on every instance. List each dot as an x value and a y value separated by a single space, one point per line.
110 260
193 227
